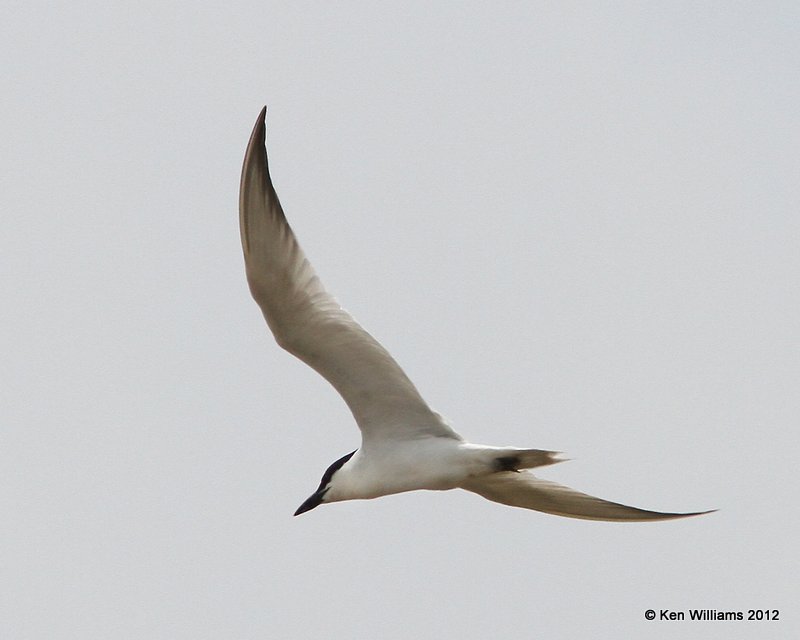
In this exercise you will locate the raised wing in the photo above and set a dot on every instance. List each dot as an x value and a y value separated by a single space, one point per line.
308 322
523 489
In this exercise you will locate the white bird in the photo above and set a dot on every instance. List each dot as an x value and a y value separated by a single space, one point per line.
405 445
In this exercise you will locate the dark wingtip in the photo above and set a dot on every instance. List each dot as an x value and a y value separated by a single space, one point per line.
677 516
702 513
260 126
255 174
255 146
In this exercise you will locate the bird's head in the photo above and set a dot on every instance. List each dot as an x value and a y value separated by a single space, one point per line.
318 497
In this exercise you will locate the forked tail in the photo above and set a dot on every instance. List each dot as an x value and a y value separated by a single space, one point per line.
516 459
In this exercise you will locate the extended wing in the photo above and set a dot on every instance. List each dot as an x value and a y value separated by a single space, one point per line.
308 322
523 489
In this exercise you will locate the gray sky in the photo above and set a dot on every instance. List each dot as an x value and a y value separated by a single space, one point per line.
575 225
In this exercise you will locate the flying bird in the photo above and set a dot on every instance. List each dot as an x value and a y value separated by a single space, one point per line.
405 445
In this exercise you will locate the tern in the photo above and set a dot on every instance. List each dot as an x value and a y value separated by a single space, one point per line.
405 445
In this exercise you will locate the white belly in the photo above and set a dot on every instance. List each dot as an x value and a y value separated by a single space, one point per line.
426 463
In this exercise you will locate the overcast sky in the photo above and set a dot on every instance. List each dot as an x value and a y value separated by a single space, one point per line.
575 225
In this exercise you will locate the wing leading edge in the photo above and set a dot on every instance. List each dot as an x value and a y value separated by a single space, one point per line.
308 322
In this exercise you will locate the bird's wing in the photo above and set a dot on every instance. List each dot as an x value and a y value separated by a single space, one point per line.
308 322
523 489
